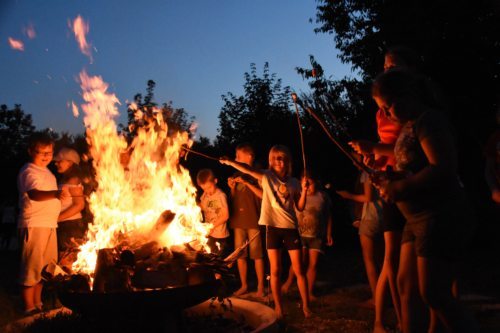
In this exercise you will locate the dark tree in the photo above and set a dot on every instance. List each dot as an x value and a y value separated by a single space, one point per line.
261 115
15 129
143 112
459 48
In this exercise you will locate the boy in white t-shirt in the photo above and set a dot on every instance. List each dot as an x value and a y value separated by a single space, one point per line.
213 203
39 202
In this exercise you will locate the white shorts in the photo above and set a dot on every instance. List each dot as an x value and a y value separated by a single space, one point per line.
38 249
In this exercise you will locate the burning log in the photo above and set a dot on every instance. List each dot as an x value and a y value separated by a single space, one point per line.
108 276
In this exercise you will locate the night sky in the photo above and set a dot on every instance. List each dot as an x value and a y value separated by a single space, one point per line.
195 51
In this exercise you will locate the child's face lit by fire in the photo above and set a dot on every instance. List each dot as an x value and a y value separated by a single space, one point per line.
244 157
279 163
209 186
42 155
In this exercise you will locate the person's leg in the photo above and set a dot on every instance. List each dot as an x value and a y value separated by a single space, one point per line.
289 280
259 271
256 253
388 277
311 272
242 270
296 263
275 266
368 249
435 278
408 286
28 295
38 295
291 275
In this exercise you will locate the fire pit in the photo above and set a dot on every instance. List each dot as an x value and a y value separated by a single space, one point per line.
139 304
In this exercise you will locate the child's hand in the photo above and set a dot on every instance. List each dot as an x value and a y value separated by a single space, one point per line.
225 160
391 191
239 180
363 147
305 184
329 240
344 194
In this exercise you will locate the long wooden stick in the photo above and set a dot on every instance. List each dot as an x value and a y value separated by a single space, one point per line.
198 153
357 163
294 97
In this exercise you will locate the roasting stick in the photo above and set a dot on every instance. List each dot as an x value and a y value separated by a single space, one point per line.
294 97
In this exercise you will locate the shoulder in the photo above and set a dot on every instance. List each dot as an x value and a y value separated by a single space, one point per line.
73 181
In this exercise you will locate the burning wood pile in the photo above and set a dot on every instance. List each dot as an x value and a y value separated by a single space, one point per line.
143 265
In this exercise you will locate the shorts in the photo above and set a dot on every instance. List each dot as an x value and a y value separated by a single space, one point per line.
392 219
313 243
370 228
254 247
38 249
444 236
279 237
66 230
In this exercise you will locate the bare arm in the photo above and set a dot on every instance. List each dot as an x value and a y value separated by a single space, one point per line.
78 201
245 168
37 195
255 189
300 202
441 155
366 196
365 147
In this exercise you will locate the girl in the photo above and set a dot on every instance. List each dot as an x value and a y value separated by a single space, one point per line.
430 197
70 225
315 225
281 196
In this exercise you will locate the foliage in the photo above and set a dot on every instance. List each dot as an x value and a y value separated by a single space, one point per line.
143 111
15 129
457 41
260 116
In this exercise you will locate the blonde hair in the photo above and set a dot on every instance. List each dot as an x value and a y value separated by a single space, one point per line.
281 150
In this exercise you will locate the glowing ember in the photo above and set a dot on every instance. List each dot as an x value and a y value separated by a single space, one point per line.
80 29
74 108
30 31
136 183
16 44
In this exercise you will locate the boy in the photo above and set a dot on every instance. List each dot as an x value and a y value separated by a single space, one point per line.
246 198
39 202
213 203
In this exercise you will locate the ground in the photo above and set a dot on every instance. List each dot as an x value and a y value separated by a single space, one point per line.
341 286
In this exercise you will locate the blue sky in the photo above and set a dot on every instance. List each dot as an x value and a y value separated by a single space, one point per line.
195 51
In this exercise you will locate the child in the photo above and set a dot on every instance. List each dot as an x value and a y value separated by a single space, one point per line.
213 203
430 197
315 224
70 223
370 230
246 198
39 202
281 195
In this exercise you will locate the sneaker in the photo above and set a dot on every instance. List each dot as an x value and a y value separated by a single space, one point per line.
32 312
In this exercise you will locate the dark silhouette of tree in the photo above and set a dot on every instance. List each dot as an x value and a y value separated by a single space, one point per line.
261 115
15 129
459 47
144 111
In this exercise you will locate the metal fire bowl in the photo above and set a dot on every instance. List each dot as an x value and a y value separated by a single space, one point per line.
138 303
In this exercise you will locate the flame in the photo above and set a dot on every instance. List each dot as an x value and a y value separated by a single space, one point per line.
16 44
74 108
80 29
29 30
130 198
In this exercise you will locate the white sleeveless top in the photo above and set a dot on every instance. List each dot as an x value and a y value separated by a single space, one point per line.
68 201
